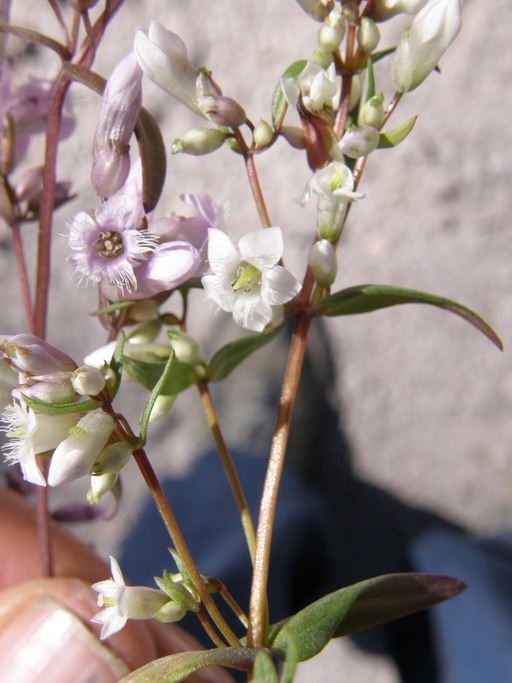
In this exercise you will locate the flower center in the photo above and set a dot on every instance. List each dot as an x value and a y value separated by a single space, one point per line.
109 245
247 278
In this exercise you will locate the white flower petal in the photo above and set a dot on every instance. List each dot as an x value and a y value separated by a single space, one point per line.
262 249
222 254
279 286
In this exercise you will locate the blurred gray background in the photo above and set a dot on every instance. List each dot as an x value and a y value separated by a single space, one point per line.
425 399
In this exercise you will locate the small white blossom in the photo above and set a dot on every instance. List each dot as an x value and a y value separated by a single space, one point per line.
31 433
316 87
247 281
122 602
432 31
108 246
74 457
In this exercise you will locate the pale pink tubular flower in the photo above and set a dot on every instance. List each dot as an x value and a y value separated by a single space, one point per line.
120 107
31 355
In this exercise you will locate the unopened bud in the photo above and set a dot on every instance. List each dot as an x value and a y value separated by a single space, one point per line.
262 134
372 113
170 612
144 333
368 35
318 9
113 458
199 141
224 111
31 355
55 388
186 348
351 11
324 262
294 136
88 381
142 311
359 142
162 406
330 37
99 485
323 58
205 85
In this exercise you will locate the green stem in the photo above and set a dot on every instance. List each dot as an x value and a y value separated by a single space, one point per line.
171 524
229 468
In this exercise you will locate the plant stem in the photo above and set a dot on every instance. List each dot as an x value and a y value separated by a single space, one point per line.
24 283
258 614
229 468
167 515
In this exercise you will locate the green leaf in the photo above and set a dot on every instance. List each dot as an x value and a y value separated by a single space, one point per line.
279 103
392 138
230 356
178 667
367 298
360 607
181 377
377 56
116 362
61 409
177 592
291 656
116 306
155 393
370 92
264 669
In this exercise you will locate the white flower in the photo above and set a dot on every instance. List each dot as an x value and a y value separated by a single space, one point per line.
432 31
75 456
108 246
384 9
334 186
359 141
162 56
316 87
31 433
248 281
123 602
324 262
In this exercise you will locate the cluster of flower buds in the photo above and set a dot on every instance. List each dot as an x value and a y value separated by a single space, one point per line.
39 421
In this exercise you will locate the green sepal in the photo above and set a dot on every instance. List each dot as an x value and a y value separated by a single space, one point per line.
180 378
392 138
182 569
264 669
279 103
361 607
377 56
367 298
177 592
155 393
231 355
179 667
112 308
62 409
116 362
370 91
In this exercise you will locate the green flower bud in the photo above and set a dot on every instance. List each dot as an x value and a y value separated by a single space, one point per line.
372 113
88 381
100 485
186 348
145 333
368 35
199 141
113 458
262 134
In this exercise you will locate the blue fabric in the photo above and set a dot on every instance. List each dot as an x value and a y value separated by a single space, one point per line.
473 632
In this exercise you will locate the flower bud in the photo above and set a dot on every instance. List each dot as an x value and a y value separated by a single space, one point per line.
31 355
143 311
88 381
82 5
100 485
330 37
144 333
55 388
163 57
170 612
74 457
262 134
162 406
318 9
186 348
199 141
368 35
120 107
359 142
324 262
294 136
113 458
372 113
432 31
350 11
224 111
322 58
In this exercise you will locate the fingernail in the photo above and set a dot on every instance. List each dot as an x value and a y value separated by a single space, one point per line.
44 642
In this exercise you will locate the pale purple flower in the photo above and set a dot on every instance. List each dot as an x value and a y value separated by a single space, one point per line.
31 433
122 602
247 280
107 248
120 107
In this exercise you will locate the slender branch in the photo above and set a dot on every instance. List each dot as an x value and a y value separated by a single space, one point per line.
171 524
60 19
24 282
254 182
229 468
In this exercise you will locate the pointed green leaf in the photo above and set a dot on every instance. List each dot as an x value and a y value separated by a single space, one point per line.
175 668
367 298
392 138
264 669
291 655
278 99
116 362
177 592
155 393
181 376
360 607
62 408
116 306
370 92
231 355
